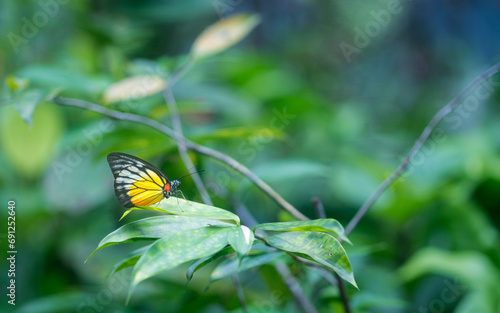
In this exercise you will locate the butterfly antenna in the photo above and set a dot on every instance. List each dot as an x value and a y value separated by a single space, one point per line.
186 172
192 174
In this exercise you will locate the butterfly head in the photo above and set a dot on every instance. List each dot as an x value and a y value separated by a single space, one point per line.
174 185
171 189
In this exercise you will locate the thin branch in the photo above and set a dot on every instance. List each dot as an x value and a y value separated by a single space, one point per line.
421 140
318 207
179 72
343 293
294 287
239 292
250 175
177 125
189 144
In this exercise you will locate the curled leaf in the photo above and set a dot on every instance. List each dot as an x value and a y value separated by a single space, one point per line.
133 88
241 239
318 247
223 34
328 225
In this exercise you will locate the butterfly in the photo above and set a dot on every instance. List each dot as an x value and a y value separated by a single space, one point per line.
139 183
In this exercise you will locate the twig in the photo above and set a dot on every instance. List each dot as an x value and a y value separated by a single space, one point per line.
239 292
343 294
318 207
177 125
416 147
189 144
320 211
294 287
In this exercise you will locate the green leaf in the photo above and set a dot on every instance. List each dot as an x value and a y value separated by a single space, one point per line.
155 227
145 208
188 208
181 247
48 77
30 149
320 247
473 268
329 225
229 267
223 34
55 303
241 239
26 103
471 274
129 261
205 261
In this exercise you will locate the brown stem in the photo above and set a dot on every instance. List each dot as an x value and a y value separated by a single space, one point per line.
343 294
239 292
177 125
189 144
416 147
318 207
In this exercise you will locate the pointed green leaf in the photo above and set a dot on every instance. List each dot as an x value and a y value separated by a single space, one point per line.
188 208
129 261
146 208
329 225
321 247
232 266
241 239
178 248
155 227
198 264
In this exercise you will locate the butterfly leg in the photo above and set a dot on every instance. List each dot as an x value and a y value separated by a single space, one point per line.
178 204
182 194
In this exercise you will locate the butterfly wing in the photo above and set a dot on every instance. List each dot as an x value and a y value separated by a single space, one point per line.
137 182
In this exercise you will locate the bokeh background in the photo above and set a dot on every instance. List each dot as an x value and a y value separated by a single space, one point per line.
323 99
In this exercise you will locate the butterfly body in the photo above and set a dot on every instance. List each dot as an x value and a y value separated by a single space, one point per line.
139 183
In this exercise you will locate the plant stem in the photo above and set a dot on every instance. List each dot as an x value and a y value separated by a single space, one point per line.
239 292
318 207
343 294
177 125
418 144
189 145
295 288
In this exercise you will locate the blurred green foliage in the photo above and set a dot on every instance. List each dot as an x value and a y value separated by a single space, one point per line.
288 104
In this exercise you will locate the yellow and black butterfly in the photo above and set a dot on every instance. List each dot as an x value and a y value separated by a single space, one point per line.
139 183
